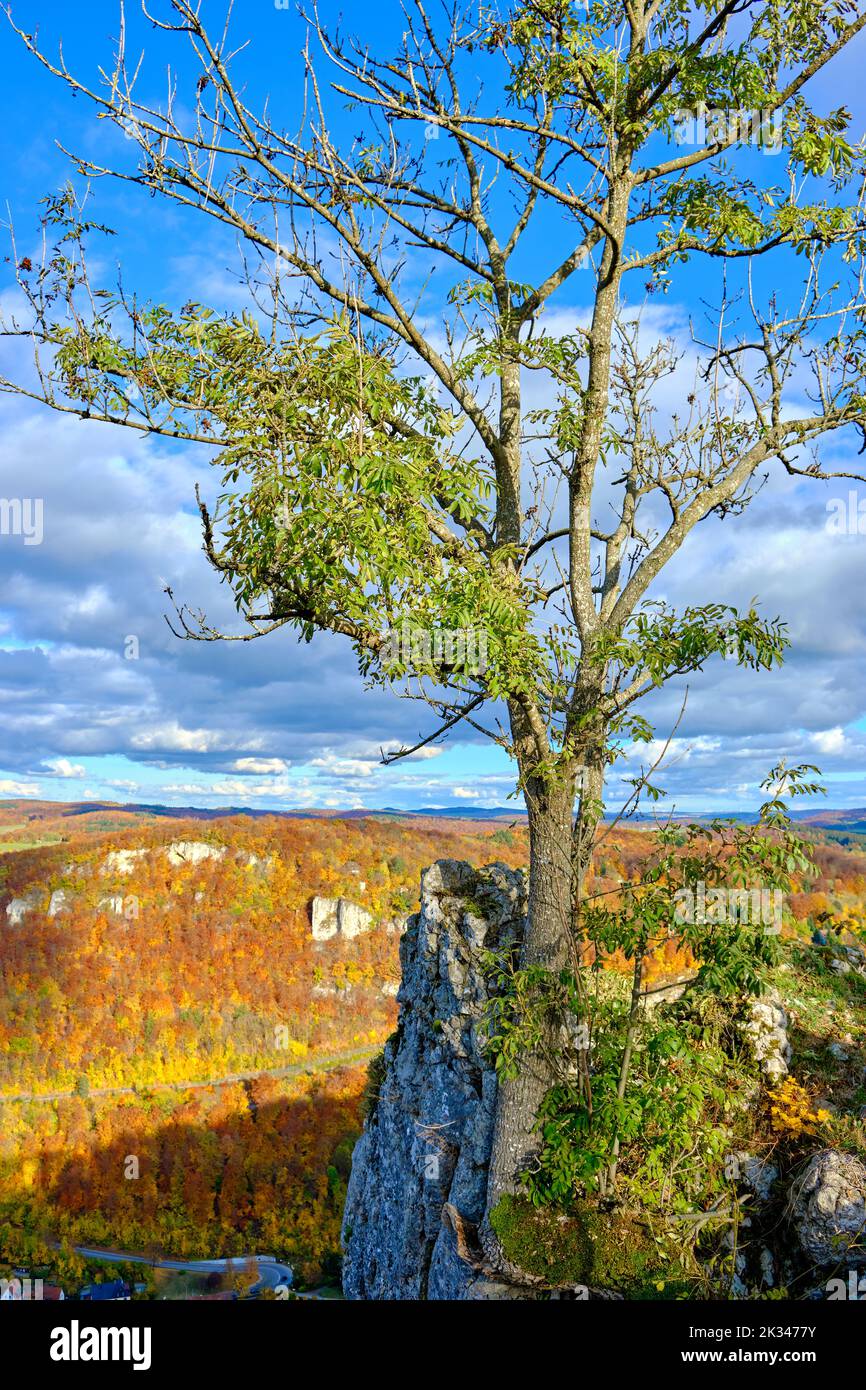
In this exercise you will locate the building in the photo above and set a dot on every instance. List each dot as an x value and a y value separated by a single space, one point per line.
103 1293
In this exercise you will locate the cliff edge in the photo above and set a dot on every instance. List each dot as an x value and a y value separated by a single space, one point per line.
419 1171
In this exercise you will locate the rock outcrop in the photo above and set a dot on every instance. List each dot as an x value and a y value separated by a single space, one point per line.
178 853
192 852
827 1206
59 902
766 1030
122 861
419 1171
18 908
338 917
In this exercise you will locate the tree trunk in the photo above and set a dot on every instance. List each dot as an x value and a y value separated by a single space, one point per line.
546 943
559 854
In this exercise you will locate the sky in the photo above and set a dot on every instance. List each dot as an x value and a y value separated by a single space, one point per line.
98 699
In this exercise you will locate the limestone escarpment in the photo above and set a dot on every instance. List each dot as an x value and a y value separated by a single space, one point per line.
419 1173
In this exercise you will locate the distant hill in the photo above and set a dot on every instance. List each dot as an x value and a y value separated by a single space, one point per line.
849 819
853 819
54 810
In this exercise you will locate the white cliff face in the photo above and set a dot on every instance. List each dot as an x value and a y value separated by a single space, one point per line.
324 918
122 861
351 919
178 853
338 917
18 908
419 1170
192 852
59 902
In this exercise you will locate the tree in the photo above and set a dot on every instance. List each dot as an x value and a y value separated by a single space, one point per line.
398 475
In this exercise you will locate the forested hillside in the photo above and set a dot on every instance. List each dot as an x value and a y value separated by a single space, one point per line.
143 966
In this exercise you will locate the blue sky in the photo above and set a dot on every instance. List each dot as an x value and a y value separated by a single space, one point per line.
277 723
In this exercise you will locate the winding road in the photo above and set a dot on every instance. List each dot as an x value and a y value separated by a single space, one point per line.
272 1274
309 1066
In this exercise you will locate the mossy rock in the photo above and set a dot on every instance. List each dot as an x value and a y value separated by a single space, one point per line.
376 1069
600 1248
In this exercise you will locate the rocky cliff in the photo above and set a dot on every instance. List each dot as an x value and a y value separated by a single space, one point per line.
419 1173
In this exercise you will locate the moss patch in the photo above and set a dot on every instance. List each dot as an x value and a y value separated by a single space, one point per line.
609 1249
373 1085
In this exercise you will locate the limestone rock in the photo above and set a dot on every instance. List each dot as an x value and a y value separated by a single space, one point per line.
249 861
767 1032
758 1174
827 1207
324 918
338 916
59 902
352 920
18 908
192 852
419 1171
122 861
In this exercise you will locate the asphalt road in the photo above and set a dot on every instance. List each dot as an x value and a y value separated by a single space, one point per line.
272 1273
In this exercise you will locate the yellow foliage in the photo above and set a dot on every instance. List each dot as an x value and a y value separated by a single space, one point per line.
791 1113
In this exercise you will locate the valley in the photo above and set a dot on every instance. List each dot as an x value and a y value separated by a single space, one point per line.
185 1055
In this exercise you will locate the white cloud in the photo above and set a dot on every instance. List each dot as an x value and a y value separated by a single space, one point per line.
830 741
62 767
259 766
10 788
345 767
172 737
430 750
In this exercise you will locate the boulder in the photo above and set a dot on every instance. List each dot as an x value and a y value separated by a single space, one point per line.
419 1171
827 1209
756 1173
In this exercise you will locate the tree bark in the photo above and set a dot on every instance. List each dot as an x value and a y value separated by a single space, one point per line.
560 849
546 943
